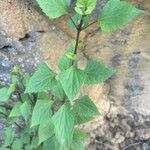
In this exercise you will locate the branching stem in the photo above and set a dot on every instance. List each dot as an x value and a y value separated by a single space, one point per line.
79 29
90 24
73 23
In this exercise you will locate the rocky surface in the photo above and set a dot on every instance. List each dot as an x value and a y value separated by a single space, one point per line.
27 37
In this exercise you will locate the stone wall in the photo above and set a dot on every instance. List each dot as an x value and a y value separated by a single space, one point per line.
27 38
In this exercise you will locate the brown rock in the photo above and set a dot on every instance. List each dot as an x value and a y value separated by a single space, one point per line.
17 19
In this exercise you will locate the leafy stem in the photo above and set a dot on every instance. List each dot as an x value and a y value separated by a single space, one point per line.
79 29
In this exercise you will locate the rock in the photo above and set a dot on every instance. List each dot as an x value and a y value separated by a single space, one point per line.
119 138
27 38
20 17
3 125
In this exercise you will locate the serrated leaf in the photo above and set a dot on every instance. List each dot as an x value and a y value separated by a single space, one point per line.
46 130
3 95
58 90
85 110
77 145
54 8
17 144
15 112
65 62
9 136
26 110
26 80
11 89
71 80
25 134
97 72
41 80
3 110
34 142
43 96
85 7
41 112
25 97
51 143
80 134
117 13
64 124
79 138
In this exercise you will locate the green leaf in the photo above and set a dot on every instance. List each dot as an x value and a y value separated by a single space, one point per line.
26 110
80 134
51 143
71 55
9 136
11 89
54 8
41 80
79 138
25 97
76 18
26 80
17 144
84 110
15 112
97 72
3 110
34 142
79 11
64 62
71 80
64 124
58 90
43 96
25 134
117 13
46 130
85 7
41 112
16 70
3 95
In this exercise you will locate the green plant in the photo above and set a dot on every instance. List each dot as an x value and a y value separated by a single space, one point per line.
47 110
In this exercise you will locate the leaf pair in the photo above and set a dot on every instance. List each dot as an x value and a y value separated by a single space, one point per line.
69 80
65 119
21 109
115 13
73 78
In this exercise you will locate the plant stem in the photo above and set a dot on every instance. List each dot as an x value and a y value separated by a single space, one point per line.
73 23
6 106
3 114
14 122
18 125
90 24
79 29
